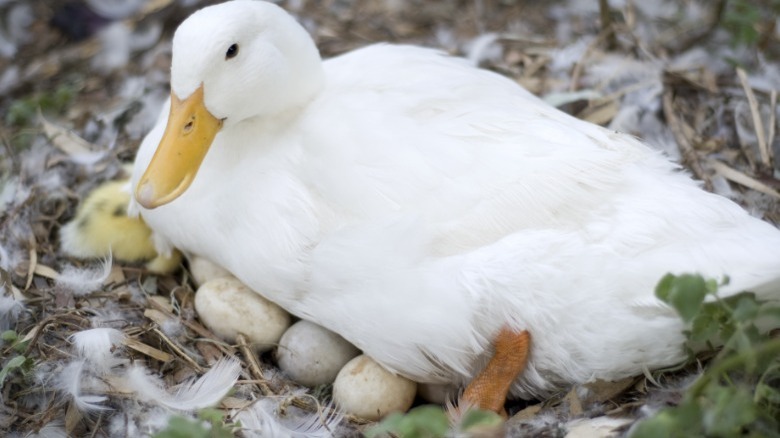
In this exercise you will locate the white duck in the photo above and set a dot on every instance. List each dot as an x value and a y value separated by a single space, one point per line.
425 209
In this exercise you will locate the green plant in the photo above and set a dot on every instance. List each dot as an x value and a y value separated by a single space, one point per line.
23 111
739 392
431 421
742 19
209 424
17 363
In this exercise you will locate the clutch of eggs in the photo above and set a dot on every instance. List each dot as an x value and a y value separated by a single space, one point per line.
308 353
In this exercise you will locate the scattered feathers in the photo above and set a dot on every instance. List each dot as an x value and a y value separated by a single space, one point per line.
9 310
53 429
97 346
82 281
70 381
204 392
262 420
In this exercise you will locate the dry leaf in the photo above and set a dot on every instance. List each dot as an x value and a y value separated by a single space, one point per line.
64 139
147 350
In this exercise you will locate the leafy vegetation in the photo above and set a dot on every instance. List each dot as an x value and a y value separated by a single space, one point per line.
19 362
431 421
209 424
22 111
748 20
739 392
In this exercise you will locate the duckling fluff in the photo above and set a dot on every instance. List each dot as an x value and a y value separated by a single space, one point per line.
101 228
415 204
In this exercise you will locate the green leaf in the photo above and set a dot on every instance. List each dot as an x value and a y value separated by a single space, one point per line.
732 408
12 364
746 309
664 287
674 422
685 293
181 427
704 327
20 347
9 336
712 285
425 421
767 393
209 424
477 420
389 424
770 310
213 416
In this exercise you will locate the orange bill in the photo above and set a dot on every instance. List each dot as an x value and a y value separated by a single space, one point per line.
190 131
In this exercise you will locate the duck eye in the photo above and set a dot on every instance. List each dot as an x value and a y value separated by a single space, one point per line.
232 51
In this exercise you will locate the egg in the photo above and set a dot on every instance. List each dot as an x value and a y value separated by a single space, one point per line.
366 390
313 355
227 307
203 270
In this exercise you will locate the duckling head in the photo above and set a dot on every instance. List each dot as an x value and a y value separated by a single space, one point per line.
231 62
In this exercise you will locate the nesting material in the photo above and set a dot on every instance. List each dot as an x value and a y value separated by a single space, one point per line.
227 307
203 270
313 355
366 390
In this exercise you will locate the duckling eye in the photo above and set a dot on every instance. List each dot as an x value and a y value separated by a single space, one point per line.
232 51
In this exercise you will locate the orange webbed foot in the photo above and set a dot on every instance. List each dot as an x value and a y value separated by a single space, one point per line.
489 389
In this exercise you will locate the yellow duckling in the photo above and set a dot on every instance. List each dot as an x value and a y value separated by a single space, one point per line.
102 227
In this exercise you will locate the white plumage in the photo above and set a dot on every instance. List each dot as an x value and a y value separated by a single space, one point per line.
414 204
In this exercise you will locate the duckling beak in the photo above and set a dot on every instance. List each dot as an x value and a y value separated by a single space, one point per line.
190 131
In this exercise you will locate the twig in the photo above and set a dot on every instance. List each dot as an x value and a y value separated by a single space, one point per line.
607 25
745 180
179 352
197 328
689 155
580 65
772 124
758 124
98 423
254 367
33 262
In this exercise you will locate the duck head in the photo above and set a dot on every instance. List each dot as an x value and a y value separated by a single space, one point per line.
231 63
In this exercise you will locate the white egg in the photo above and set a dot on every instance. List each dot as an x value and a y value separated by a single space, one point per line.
313 355
203 270
227 307
366 390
